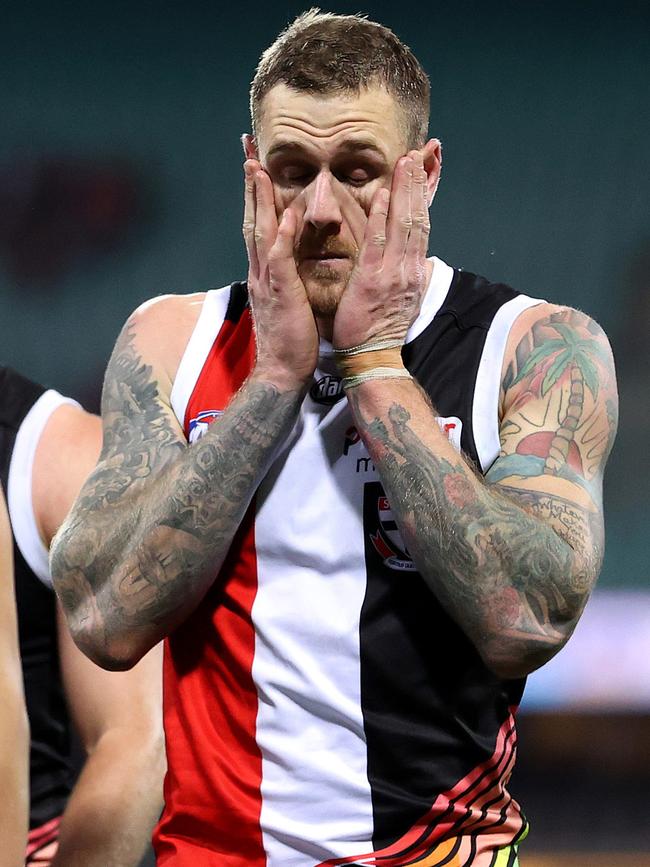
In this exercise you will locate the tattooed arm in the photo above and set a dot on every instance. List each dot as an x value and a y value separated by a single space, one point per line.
512 558
153 522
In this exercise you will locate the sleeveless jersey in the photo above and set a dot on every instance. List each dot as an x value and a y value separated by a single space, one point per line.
321 708
25 408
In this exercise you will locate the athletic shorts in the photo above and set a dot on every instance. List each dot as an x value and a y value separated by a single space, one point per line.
506 857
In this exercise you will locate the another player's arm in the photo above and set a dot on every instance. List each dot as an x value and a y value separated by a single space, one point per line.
14 729
512 558
155 519
118 797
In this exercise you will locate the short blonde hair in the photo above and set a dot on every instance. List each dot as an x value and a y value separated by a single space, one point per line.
321 52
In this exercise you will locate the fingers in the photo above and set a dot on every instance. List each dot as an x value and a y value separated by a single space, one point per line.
399 216
299 206
282 265
248 226
417 244
372 251
260 224
352 211
270 247
407 230
266 222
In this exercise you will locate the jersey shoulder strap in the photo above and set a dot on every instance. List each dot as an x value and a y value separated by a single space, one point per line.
17 396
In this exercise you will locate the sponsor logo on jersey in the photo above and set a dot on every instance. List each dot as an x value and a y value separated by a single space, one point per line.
351 439
383 532
327 390
200 423
360 456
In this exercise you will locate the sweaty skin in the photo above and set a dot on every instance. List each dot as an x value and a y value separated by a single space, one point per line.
336 228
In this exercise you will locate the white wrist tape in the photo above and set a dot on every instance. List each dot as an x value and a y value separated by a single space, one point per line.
367 347
375 373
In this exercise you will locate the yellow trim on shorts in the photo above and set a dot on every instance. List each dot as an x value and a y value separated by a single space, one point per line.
504 856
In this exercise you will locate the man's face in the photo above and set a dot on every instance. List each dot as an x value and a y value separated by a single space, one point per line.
335 152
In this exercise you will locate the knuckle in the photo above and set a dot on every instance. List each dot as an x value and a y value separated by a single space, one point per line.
406 222
416 277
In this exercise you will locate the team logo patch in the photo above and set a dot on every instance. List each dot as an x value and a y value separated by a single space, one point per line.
200 423
327 390
452 428
382 530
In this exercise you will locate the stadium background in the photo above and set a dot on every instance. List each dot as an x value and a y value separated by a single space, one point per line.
120 179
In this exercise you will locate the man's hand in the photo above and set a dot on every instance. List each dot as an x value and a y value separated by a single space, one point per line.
386 287
285 329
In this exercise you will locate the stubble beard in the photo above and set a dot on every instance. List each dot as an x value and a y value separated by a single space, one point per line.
325 286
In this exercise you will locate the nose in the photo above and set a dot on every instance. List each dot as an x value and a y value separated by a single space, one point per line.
323 211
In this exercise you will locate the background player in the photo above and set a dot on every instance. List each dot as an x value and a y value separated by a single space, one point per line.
47 446
14 728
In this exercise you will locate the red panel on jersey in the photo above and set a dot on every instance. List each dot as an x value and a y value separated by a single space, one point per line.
212 788
229 362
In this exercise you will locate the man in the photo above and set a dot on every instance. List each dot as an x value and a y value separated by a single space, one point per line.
389 512
14 729
48 444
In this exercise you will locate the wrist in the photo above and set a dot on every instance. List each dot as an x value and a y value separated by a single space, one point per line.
283 379
369 356
375 373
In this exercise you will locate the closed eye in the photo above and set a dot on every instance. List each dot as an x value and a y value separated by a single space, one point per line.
295 175
357 177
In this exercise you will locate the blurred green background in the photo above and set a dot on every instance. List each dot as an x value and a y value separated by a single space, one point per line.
120 179
542 108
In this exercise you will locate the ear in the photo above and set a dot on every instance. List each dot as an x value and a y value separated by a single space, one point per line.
432 158
250 146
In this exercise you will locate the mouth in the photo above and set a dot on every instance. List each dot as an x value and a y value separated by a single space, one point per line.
322 257
325 257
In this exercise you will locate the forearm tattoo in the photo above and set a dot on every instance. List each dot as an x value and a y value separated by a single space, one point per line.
501 572
155 520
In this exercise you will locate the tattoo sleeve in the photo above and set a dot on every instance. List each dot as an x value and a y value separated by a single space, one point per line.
155 519
511 558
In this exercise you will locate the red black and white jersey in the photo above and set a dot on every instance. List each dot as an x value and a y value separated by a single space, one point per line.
25 409
320 706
